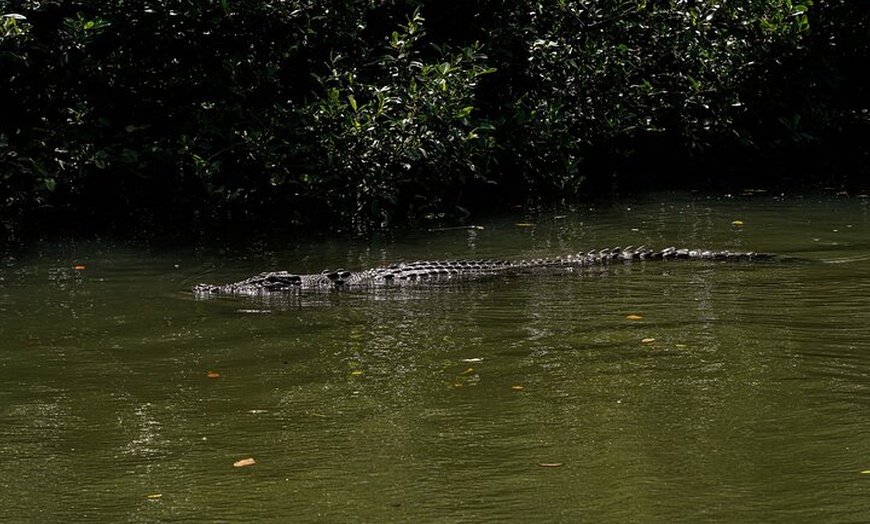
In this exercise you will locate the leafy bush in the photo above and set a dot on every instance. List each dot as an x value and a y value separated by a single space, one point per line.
361 114
398 133
606 77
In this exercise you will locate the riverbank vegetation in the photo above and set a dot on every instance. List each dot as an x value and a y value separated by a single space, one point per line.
359 114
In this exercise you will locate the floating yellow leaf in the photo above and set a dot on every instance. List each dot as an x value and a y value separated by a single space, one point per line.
525 224
154 496
633 317
517 387
551 464
213 374
681 346
467 371
648 340
244 462
356 372
737 223
866 472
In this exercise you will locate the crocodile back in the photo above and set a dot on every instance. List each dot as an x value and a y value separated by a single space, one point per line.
421 272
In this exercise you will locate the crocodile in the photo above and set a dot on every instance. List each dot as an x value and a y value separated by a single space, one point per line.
432 272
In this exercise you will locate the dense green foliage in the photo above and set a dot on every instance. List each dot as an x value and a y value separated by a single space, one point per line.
363 113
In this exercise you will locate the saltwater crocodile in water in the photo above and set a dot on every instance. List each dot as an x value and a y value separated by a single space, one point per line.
423 272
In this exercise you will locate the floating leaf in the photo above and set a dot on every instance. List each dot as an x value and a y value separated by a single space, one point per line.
213 374
470 360
633 317
467 371
517 387
153 496
866 472
681 346
551 464
737 223
357 372
525 224
244 462
79 268
647 340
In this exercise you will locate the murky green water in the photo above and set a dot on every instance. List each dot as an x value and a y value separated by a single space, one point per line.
530 399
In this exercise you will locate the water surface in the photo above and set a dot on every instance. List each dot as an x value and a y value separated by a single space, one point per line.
740 395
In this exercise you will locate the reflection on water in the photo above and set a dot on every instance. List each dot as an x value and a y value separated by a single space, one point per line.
654 392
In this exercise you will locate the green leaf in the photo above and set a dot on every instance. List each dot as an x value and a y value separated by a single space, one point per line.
464 112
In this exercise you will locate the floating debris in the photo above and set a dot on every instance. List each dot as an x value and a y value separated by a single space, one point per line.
244 462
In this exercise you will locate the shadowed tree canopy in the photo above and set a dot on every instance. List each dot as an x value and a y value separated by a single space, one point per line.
354 115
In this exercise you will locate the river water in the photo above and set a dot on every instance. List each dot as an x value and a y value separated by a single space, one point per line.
652 392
